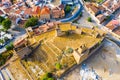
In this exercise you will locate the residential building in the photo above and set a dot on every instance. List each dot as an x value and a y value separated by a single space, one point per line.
1 13
92 8
45 13
36 11
117 31
111 5
100 18
57 13
112 25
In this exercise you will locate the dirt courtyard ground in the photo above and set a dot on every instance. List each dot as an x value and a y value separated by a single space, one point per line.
105 63
17 71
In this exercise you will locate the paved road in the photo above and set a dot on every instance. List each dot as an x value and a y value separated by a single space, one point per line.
16 35
80 7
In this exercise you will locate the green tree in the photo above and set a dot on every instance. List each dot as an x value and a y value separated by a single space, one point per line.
10 46
6 24
48 76
1 41
58 66
89 19
69 50
6 39
67 9
51 79
31 22
1 19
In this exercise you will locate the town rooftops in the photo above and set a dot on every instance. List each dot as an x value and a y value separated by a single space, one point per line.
101 17
1 12
45 10
93 9
117 31
7 10
112 5
113 24
36 9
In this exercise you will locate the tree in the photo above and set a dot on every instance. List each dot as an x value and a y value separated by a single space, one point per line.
80 14
1 19
6 39
89 19
58 66
10 46
69 50
6 24
48 76
51 79
67 9
31 22
1 41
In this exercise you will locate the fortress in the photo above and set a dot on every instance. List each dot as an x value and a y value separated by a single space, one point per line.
82 52
54 46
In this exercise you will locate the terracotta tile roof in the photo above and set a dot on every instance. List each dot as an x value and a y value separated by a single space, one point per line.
51 24
111 4
28 11
111 27
107 3
22 7
1 5
92 7
7 10
44 28
45 10
61 6
100 17
117 31
57 13
18 11
35 10
1 12
113 24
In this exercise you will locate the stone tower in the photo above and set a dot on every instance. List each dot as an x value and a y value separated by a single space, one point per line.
58 31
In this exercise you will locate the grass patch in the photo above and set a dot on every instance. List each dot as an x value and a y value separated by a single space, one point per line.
4 57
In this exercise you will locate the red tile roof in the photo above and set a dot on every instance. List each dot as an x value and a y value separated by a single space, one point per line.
117 31
28 11
113 24
45 10
1 12
7 10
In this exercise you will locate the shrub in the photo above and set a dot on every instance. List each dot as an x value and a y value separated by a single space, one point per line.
6 24
31 22
67 33
80 14
69 50
1 19
89 19
58 66
48 76
6 39
10 46
1 41
50 79
67 9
